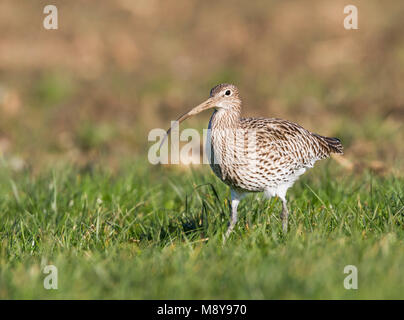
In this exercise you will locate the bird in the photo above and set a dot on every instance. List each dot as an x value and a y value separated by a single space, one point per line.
256 154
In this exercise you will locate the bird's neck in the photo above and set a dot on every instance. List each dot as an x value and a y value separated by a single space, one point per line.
225 119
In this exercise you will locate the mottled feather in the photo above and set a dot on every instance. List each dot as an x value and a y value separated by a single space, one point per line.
283 150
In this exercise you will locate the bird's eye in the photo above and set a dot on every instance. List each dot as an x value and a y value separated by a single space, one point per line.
227 93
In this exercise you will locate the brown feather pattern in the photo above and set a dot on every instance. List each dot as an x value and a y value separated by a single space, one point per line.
282 148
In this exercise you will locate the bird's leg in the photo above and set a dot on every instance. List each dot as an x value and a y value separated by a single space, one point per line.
284 216
233 219
235 200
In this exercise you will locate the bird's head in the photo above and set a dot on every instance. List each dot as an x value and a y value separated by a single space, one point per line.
223 97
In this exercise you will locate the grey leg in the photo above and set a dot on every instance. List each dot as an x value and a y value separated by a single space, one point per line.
235 200
284 216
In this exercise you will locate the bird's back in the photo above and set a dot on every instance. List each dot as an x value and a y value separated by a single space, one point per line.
282 140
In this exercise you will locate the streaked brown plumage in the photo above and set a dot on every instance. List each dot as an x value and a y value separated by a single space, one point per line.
258 154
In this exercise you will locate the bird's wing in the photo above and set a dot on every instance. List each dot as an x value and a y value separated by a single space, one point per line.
286 143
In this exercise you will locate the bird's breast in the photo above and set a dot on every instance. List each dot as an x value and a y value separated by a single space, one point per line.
229 157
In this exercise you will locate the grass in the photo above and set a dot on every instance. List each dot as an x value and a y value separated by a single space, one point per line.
147 232
132 230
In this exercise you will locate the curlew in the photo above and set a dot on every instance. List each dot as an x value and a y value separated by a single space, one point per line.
257 154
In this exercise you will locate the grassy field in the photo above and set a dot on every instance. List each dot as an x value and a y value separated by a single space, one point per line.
148 232
77 192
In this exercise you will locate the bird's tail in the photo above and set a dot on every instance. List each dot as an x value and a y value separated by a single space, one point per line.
334 144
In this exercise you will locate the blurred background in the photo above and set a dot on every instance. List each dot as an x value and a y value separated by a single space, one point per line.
91 91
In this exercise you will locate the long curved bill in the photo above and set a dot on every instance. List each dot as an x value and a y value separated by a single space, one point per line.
208 104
